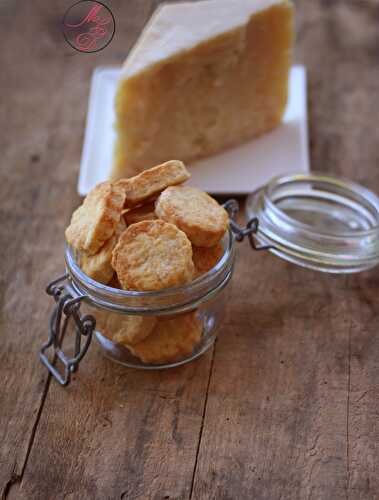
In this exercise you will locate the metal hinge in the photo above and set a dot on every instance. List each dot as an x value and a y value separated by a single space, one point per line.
250 230
66 308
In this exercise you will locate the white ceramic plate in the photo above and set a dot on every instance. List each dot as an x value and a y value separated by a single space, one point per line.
240 170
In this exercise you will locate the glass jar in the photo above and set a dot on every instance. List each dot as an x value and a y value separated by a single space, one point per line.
199 306
320 222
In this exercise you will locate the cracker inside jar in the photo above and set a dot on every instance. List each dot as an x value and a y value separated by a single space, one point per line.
160 235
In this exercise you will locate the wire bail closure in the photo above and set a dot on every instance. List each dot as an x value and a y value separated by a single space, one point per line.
250 230
66 307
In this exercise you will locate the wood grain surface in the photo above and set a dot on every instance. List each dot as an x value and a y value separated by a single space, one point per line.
286 406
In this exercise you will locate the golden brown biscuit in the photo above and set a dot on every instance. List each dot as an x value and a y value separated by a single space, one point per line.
170 340
146 212
95 221
123 329
99 266
149 183
197 214
205 258
152 255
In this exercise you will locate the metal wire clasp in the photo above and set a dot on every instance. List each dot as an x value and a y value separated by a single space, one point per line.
250 230
66 307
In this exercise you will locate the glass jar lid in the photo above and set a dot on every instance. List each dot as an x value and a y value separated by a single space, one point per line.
317 221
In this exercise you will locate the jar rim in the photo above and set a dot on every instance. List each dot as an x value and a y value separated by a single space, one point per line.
339 182
318 221
113 298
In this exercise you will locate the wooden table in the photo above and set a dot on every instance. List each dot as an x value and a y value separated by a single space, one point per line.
286 406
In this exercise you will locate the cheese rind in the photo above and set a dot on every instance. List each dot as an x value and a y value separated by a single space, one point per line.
203 77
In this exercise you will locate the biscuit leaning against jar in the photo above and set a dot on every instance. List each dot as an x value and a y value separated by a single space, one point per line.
95 221
144 253
99 266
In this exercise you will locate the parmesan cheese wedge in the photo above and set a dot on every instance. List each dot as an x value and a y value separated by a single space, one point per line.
203 77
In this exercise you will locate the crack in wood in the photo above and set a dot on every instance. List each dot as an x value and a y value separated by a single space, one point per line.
17 478
348 415
202 421
14 479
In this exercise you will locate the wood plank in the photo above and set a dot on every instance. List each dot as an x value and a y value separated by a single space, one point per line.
115 433
362 419
292 409
275 422
27 235
118 433
345 137
42 124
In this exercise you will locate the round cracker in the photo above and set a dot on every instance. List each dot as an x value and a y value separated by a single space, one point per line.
99 266
170 340
123 329
148 184
197 214
153 255
95 221
205 258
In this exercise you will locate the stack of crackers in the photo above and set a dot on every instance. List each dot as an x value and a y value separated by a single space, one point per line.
149 233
